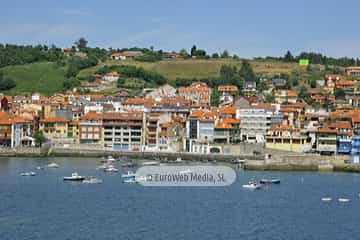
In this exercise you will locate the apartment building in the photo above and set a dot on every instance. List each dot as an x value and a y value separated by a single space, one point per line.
90 128
197 92
15 131
54 128
256 120
123 131
287 138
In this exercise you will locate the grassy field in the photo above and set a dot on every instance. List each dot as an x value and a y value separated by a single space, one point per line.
48 78
45 78
194 68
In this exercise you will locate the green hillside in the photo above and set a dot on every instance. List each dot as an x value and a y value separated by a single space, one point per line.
194 68
48 78
45 78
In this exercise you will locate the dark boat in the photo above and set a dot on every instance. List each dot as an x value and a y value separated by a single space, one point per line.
270 181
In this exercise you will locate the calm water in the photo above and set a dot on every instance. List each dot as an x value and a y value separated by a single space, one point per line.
45 207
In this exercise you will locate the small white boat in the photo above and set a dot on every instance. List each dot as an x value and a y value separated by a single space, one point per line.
92 180
104 166
129 174
26 174
74 177
344 200
178 160
111 159
39 168
129 180
252 185
326 199
53 165
151 163
111 169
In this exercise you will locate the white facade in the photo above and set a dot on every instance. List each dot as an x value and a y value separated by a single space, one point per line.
255 122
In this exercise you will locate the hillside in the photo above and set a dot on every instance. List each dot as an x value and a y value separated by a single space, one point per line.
45 78
194 68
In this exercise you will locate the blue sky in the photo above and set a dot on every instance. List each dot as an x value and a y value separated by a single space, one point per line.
247 28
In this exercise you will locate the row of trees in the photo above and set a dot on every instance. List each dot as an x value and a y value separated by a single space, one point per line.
134 72
318 58
6 83
17 54
230 74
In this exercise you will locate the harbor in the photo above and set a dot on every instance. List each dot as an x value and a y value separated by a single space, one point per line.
40 207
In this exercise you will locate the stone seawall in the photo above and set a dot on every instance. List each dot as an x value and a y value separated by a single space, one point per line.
21 152
68 152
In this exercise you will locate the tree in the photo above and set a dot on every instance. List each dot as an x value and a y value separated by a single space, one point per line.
246 72
225 54
270 98
289 57
339 93
184 53
193 50
215 55
5 82
215 97
39 138
81 44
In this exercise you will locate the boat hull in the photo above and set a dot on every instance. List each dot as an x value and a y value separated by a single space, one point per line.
270 181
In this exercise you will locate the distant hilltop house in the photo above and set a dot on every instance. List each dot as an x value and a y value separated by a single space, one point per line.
126 55
73 52
172 55
352 71
111 76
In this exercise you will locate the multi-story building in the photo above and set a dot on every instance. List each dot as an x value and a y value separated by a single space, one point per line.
152 127
90 128
285 96
123 131
227 131
326 141
352 71
227 93
287 138
249 89
329 83
255 121
197 92
54 128
200 128
15 131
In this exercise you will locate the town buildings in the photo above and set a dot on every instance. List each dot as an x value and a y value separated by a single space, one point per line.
169 119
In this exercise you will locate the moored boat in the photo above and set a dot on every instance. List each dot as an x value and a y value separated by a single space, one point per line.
74 177
326 199
53 165
344 200
111 168
26 174
270 181
129 174
92 180
252 186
